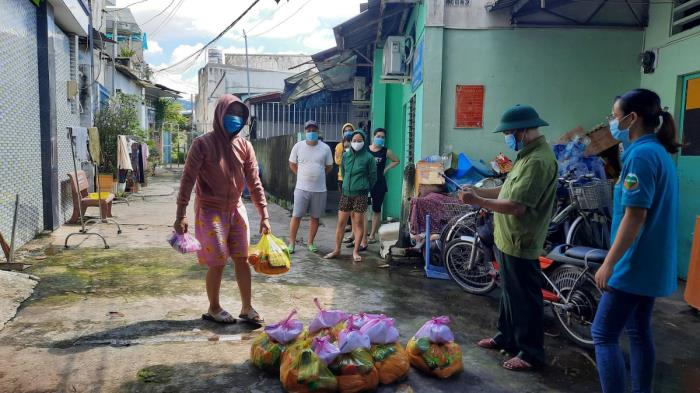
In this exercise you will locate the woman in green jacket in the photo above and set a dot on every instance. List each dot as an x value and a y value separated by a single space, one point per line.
359 176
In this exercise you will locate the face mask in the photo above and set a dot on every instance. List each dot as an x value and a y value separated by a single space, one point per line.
312 136
347 134
513 143
233 124
379 141
620 135
357 146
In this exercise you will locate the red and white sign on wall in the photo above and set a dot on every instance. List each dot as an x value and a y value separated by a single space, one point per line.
469 106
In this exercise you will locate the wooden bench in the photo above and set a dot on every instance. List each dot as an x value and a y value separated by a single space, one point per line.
80 194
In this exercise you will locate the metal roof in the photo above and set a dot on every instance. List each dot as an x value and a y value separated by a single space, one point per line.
601 13
381 19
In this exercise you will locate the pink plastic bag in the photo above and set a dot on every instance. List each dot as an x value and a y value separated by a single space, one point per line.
325 349
436 330
285 331
184 243
359 320
381 330
326 318
351 339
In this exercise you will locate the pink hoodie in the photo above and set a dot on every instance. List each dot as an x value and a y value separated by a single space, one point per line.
221 166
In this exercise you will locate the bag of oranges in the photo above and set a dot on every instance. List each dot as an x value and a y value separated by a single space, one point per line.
267 348
433 350
270 256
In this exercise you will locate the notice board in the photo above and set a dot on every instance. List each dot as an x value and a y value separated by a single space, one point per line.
469 106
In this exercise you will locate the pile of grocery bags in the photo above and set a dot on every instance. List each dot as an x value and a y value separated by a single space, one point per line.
341 352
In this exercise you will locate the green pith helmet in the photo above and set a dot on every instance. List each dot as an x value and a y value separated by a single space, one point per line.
520 117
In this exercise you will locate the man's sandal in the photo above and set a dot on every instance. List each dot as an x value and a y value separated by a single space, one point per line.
517 364
222 316
252 317
488 343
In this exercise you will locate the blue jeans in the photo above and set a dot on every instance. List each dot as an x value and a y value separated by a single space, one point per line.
620 310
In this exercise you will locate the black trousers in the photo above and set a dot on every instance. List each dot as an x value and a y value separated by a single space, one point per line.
521 312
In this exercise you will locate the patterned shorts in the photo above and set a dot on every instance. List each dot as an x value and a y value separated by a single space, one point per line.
355 204
222 235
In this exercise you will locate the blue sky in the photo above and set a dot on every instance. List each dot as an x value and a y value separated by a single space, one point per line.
305 26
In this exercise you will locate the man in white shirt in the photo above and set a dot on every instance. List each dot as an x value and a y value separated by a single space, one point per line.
310 161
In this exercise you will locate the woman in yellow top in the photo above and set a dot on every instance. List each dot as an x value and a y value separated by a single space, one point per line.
340 148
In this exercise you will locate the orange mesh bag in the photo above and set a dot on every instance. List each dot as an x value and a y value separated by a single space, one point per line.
355 372
302 371
391 362
439 360
266 354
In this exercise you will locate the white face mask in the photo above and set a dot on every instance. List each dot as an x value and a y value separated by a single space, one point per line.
357 146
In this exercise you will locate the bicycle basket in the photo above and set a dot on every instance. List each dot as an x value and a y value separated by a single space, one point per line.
593 195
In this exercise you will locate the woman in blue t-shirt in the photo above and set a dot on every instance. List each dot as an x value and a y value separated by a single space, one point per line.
641 264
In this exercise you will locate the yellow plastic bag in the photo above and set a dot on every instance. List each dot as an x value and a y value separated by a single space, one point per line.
302 371
270 256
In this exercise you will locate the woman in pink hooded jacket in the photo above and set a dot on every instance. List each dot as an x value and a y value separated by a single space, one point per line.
221 164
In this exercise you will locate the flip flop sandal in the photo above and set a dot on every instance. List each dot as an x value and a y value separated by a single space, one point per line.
252 317
222 316
357 259
517 364
291 248
372 240
313 248
362 248
488 343
349 240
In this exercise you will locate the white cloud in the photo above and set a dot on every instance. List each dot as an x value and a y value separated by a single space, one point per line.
182 51
154 48
177 81
320 41
241 49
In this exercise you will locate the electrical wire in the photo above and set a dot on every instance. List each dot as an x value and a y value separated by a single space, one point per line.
167 19
159 14
127 6
283 21
264 20
197 53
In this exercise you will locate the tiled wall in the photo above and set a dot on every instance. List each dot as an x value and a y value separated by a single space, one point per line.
20 150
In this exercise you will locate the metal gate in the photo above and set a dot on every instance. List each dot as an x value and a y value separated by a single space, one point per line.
275 119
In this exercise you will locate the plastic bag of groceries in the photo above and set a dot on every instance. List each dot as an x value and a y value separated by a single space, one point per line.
354 367
267 348
380 330
302 371
184 243
270 256
327 322
359 320
325 349
433 350
391 362
389 357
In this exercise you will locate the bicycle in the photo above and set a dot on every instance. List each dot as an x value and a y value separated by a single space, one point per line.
568 276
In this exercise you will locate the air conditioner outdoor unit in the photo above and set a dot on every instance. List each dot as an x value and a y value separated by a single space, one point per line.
396 58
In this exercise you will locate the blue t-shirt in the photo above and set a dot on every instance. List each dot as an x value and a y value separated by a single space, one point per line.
648 180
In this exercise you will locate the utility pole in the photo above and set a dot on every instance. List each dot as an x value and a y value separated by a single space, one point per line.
247 66
115 22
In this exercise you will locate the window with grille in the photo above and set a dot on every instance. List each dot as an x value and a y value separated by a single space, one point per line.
686 15
457 2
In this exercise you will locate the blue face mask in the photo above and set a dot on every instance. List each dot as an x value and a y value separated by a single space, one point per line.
379 141
514 144
347 135
620 135
233 124
312 136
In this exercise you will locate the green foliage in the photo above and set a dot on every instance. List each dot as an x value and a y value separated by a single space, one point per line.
120 117
126 52
168 111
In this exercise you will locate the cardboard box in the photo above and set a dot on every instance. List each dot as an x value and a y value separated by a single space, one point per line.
600 139
429 173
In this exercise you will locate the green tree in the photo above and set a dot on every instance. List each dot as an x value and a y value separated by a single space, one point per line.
170 111
119 117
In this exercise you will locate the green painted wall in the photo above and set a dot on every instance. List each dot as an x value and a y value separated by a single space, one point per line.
389 110
679 55
569 75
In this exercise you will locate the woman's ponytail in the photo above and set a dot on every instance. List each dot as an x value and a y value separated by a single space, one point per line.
667 134
647 105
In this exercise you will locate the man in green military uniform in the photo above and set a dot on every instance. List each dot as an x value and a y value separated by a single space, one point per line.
522 211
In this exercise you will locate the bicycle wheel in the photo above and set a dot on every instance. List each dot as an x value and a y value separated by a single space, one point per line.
456 227
579 305
590 231
478 280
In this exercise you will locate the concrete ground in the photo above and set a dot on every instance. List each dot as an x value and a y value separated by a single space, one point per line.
128 318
